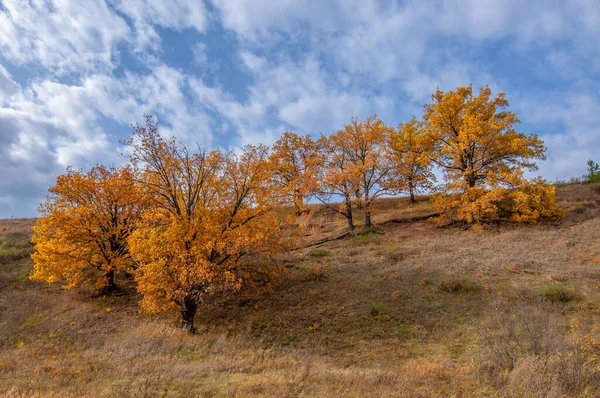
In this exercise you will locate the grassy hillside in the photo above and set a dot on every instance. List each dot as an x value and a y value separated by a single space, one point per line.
411 310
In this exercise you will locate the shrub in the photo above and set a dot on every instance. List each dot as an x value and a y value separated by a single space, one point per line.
314 273
367 235
318 252
531 202
516 332
557 293
459 286
530 355
11 255
377 308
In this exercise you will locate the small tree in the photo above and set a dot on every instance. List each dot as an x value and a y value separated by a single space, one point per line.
364 142
337 177
410 152
81 236
357 167
593 173
482 156
215 225
295 160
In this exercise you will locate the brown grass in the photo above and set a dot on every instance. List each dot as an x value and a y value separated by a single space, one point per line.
354 318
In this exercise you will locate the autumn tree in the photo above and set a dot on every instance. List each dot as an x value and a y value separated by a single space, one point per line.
482 156
356 167
215 225
295 160
410 150
86 220
365 143
337 178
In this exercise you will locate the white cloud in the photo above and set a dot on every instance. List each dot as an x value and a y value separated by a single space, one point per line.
61 35
302 95
7 86
173 14
577 118
199 52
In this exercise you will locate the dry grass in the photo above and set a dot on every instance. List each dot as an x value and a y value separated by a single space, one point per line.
355 318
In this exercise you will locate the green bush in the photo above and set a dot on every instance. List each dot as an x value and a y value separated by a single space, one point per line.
557 293
318 252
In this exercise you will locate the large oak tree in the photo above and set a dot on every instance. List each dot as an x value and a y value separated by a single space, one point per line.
81 236
482 156
216 224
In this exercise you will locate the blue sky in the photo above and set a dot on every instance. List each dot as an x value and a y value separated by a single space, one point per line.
74 75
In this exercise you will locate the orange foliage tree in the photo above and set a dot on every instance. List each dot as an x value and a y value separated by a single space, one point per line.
215 225
410 150
81 236
295 160
337 178
356 166
483 158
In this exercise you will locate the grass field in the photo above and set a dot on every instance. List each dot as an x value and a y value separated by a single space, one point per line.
410 309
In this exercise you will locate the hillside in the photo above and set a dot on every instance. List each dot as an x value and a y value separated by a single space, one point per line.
411 309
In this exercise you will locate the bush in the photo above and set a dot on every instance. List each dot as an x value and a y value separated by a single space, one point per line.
531 202
367 235
557 293
532 355
516 332
314 273
377 308
318 252
459 286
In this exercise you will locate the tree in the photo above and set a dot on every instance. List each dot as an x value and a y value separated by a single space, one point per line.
295 160
81 236
479 151
356 167
337 178
215 225
410 152
364 142
593 173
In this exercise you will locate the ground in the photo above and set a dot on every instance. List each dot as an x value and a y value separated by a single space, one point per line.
409 309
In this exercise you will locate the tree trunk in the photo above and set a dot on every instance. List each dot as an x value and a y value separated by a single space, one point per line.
188 312
349 213
111 286
350 223
471 180
367 208
368 217
412 194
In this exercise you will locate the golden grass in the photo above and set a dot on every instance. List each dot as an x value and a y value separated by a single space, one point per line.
355 318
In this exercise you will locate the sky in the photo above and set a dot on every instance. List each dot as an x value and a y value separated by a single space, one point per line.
75 75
